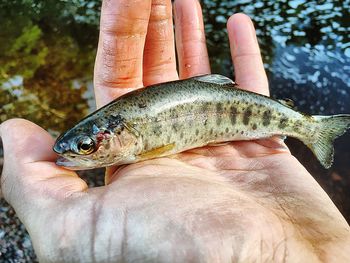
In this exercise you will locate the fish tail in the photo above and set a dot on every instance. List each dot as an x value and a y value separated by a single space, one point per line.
328 129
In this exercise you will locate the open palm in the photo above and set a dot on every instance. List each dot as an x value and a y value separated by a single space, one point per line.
239 202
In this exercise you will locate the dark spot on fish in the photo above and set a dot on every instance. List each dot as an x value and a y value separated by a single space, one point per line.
157 130
181 135
205 106
186 140
211 131
226 130
221 133
246 116
219 111
142 104
173 114
114 121
175 127
266 118
219 108
233 115
254 126
297 125
145 143
205 122
197 131
283 123
241 132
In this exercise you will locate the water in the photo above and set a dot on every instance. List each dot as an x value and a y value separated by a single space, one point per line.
47 53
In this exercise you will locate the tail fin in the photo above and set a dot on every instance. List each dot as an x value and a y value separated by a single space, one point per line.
329 128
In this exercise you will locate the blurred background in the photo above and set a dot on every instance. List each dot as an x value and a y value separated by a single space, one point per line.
47 51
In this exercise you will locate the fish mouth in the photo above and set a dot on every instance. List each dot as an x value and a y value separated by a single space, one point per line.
68 164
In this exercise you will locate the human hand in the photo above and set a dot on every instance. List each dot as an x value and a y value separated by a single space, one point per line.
245 201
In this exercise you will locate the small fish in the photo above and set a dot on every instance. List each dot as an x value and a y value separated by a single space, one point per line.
172 117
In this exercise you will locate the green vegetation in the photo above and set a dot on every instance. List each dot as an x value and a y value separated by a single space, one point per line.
46 59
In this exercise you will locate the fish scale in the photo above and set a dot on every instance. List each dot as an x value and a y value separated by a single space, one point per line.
172 117
207 120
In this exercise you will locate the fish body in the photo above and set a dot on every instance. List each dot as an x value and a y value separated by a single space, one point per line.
172 117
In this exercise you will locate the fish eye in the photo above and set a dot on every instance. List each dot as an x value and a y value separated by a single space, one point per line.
86 145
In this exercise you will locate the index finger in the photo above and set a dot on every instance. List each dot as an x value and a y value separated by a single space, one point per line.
118 66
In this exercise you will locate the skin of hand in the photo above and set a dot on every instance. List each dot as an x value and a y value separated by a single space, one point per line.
240 202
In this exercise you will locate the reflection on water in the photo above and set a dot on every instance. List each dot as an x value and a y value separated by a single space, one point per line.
316 78
47 53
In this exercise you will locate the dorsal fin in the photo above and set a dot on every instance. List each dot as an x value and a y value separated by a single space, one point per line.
287 102
216 79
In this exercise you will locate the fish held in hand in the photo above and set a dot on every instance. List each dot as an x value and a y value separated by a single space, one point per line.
172 117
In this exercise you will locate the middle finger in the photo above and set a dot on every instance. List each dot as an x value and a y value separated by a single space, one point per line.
159 63
190 39
118 66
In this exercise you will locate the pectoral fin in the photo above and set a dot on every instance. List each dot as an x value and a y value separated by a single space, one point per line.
131 129
157 152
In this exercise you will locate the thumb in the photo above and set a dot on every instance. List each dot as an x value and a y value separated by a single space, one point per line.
30 176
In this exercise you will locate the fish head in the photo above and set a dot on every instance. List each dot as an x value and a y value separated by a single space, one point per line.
91 145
